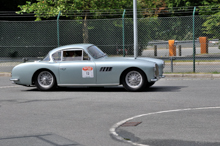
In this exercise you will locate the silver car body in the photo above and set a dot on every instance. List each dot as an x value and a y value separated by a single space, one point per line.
103 70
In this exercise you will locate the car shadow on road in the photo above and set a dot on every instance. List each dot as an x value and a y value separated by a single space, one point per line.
83 89
112 89
165 88
161 142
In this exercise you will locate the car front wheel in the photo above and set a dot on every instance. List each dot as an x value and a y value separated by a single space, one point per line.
45 81
134 80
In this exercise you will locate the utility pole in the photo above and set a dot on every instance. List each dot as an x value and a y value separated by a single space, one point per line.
135 28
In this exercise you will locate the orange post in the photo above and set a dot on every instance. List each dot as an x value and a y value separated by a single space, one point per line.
204 44
172 48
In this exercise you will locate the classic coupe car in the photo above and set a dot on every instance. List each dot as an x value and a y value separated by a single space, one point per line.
87 65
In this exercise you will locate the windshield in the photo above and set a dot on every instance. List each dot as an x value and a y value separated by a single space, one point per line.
47 58
95 52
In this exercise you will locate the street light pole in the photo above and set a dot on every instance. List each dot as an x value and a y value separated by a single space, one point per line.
135 28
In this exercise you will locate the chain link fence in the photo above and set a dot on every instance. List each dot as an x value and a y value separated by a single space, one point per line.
33 40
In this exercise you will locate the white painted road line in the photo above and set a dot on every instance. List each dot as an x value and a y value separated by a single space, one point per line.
114 127
3 87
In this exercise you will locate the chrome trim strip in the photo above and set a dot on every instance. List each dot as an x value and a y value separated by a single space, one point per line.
115 84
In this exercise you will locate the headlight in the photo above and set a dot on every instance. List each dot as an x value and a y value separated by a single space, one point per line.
156 71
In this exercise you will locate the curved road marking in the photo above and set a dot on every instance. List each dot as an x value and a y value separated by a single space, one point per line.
114 127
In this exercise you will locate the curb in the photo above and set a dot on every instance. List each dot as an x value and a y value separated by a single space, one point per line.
194 75
191 63
5 74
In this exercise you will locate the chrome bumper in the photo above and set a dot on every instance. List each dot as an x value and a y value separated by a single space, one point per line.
12 79
156 79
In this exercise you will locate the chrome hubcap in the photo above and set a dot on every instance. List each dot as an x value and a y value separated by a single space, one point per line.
133 79
45 79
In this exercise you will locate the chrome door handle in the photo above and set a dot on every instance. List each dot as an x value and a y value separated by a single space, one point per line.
63 68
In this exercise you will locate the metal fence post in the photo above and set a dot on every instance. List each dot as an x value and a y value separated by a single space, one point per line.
58 30
194 48
171 63
123 32
155 50
180 50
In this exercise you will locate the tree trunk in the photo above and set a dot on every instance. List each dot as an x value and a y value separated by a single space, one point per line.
85 30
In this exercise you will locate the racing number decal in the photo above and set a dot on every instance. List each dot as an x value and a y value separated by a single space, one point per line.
87 72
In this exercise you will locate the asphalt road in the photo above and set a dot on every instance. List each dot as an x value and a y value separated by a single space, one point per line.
84 116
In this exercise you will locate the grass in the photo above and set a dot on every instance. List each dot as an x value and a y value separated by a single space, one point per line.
215 72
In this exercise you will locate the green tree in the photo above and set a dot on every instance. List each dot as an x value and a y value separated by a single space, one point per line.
211 15
152 8
212 25
203 8
188 3
51 8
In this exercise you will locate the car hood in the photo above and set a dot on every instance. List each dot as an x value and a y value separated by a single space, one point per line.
154 60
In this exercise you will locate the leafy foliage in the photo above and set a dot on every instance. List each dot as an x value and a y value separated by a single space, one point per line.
212 25
84 9
51 8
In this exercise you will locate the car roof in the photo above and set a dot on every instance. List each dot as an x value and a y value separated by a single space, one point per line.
79 46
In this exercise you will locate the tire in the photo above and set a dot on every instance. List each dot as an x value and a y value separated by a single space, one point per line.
45 81
134 80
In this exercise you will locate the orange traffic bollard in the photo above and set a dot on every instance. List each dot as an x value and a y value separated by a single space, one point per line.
172 48
204 44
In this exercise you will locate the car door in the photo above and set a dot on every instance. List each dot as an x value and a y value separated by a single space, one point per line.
77 72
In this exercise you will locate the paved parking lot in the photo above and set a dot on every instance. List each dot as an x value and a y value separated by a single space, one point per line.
173 112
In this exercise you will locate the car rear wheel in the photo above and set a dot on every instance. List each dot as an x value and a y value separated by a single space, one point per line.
134 80
45 81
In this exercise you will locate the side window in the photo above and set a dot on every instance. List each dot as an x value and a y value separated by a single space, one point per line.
72 55
57 56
